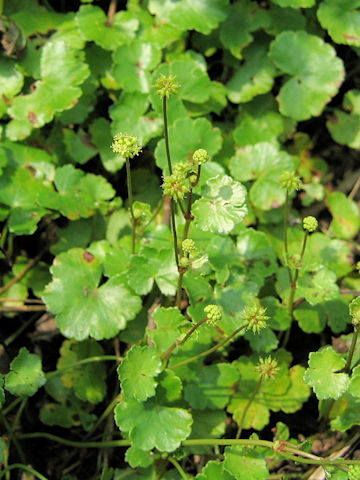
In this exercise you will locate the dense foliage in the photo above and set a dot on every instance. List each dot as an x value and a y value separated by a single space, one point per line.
178 186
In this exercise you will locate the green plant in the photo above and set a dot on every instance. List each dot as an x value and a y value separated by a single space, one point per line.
210 287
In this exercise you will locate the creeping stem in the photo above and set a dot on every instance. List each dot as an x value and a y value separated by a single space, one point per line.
246 409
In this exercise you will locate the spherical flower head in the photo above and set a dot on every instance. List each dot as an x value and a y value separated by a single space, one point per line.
175 186
213 313
200 156
267 367
310 224
255 318
354 310
354 472
125 145
290 181
188 245
184 262
166 85
182 169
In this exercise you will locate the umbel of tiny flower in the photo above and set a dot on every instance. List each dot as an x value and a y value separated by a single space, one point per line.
125 145
166 85
175 186
310 224
354 472
267 367
255 318
213 313
354 310
200 156
188 245
290 181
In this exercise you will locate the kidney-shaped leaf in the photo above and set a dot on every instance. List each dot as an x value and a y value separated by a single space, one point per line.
153 426
316 73
25 376
342 20
222 205
322 373
82 308
137 372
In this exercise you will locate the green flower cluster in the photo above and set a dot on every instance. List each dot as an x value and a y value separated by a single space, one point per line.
255 318
200 156
175 186
290 181
213 313
354 310
125 145
166 86
267 367
310 224
354 472
188 245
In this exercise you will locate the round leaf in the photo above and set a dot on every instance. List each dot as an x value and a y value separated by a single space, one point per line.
245 463
222 205
25 376
84 309
316 73
153 426
322 374
137 372
342 20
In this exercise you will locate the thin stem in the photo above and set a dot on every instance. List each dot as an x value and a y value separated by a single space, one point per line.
173 228
18 332
22 467
293 286
181 342
12 405
210 350
250 401
183 211
18 277
102 358
178 468
27 300
105 413
24 308
274 446
131 201
286 226
347 368
111 13
12 437
179 287
354 189
4 235
166 134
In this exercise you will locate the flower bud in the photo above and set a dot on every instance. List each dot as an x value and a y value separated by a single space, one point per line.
200 156
354 310
184 262
213 313
310 224
125 145
174 185
188 245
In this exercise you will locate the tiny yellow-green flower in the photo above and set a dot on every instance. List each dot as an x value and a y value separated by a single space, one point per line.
267 367
310 224
166 85
126 145
213 313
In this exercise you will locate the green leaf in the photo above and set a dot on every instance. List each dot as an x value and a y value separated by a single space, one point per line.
257 254
2 393
200 15
243 18
345 212
312 319
222 205
263 163
25 376
132 64
84 308
254 76
139 458
321 374
11 80
295 3
153 426
349 414
55 414
137 372
89 380
168 326
245 463
213 471
77 146
316 73
186 136
341 19
207 424
94 27
152 264
213 388
62 71
354 386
